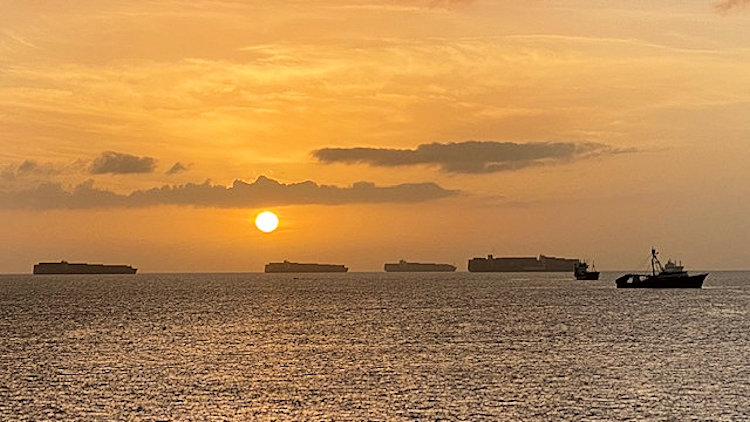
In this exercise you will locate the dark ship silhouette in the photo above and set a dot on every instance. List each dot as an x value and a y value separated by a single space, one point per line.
412 267
294 267
669 276
541 264
581 271
65 267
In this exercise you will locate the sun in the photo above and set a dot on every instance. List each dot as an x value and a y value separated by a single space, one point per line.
266 221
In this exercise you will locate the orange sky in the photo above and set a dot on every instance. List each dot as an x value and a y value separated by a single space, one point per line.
592 129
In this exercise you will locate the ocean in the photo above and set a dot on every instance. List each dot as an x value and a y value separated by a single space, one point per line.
371 346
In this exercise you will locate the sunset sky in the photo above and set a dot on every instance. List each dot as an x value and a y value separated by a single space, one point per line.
152 132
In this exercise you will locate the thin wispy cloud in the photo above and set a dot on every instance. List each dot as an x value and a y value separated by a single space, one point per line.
438 3
262 192
433 3
472 157
118 163
396 6
728 5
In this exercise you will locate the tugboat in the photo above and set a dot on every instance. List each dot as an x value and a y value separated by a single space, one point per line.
582 272
670 276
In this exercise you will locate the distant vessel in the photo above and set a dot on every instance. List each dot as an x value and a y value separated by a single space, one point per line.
65 267
294 267
413 267
541 264
582 272
668 276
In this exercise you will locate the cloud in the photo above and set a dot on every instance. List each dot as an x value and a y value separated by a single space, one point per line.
28 168
468 157
178 168
119 163
262 192
395 5
441 3
727 5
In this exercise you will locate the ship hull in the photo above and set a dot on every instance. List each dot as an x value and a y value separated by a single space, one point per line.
634 281
57 268
591 275
413 267
292 267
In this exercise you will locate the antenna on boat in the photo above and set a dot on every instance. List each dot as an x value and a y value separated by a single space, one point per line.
655 263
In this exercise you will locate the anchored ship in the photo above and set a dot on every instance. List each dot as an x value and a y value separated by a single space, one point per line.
294 267
582 272
541 264
65 267
670 276
413 267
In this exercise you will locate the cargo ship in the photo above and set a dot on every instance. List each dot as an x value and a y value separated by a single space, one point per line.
522 264
65 267
414 267
294 267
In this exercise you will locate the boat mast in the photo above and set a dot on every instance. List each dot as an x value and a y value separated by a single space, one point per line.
653 258
655 262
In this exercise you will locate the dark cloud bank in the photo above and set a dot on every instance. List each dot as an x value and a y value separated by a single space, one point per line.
262 192
108 162
28 168
118 163
469 157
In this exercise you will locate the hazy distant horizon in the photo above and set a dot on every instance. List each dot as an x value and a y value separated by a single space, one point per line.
460 268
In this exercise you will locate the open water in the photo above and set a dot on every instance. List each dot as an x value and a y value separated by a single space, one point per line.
371 346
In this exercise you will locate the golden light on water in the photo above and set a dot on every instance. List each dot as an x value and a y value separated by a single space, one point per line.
267 222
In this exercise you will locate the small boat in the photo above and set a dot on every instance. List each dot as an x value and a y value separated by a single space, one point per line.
581 271
670 276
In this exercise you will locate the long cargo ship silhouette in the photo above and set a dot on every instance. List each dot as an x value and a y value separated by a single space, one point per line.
294 267
413 267
65 267
522 264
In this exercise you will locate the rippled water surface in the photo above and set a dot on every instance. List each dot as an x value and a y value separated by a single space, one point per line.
373 346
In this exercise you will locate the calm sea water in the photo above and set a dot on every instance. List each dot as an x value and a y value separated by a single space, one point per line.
371 346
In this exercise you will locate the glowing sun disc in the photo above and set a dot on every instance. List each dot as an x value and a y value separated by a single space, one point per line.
266 221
